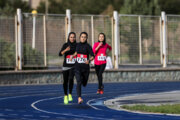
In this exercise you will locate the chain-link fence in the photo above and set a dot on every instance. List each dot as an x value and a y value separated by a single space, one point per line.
47 35
151 39
93 25
103 24
33 40
173 38
50 35
44 35
7 42
139 39
56 37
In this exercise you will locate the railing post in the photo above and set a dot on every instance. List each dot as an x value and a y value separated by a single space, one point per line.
19 40
34 14
164 39
112 24
16 43
45 50
140 41
92 29
116 38
161 47
68 22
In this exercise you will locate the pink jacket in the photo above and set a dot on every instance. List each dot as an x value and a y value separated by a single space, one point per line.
100 54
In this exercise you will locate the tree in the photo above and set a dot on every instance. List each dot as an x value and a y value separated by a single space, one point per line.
76 6
8 7
170 6
142 7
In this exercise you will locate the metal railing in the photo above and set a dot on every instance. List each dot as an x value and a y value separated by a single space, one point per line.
29 40
7 42
140 38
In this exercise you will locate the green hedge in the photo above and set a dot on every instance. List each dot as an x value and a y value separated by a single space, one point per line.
30 56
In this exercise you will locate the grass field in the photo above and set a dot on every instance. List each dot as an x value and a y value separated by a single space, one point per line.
168 109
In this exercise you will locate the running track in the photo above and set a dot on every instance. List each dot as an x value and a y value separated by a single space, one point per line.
42 102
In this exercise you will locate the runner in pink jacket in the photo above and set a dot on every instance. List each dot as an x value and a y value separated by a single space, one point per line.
100 52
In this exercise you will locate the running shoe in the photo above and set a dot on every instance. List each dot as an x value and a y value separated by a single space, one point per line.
98 91
80 100
70 97
65 99
101 91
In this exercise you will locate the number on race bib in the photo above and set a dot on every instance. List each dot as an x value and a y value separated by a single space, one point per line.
81 58
101 57
68 59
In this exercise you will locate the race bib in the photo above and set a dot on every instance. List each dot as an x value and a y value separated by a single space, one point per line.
81 58
68 59
101 57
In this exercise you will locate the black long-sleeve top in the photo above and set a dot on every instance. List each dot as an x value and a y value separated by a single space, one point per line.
83 51
66 54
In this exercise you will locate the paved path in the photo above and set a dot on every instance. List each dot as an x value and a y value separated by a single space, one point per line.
149 99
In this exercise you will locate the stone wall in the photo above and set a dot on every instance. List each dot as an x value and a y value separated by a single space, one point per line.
120 75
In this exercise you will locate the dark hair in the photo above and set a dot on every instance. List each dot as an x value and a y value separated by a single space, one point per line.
104 42
70 34
85 34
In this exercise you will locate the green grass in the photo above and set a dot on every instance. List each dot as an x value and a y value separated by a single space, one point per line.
168 109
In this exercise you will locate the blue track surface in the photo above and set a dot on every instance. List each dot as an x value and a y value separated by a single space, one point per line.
46 102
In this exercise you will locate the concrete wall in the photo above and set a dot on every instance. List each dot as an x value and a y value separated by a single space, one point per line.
120 75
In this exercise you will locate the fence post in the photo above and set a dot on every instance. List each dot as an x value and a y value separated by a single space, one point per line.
45 50
140 41
164 40
92 29
68 22
112 24
16 43
161 47
116 38
34 13
19 40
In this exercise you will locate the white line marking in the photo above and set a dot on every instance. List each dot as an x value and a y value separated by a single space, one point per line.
13 114
27 115
79 116
88 103
32 92
45 116
139 112
22 96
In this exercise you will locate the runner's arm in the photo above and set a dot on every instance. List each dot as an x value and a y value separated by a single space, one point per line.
73 56
64 49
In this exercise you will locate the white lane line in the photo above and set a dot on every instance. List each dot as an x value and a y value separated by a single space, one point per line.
31 92
26 95
22 90
27 115
22 96
13 114
9 110
145 113
88 103
2 114
79 116
58 91
44 116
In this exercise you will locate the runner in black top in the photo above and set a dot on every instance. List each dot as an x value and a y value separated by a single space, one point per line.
82 68
68 50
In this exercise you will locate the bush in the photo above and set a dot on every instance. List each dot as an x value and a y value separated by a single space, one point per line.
30 56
